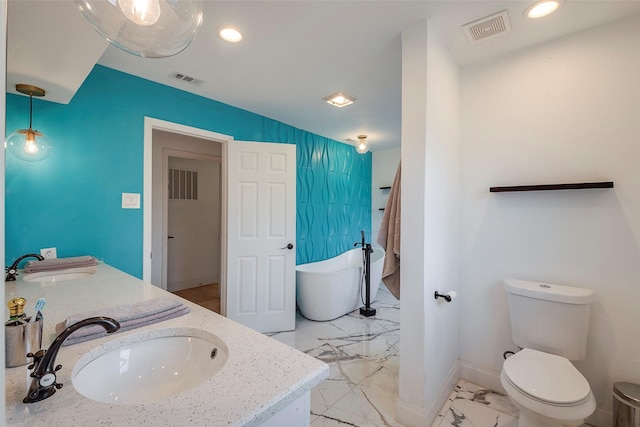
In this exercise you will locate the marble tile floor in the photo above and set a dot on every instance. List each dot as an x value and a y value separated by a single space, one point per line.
362 388
471 405
362 354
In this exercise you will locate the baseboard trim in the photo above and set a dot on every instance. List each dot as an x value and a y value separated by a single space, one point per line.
485 377
444 391
411 415
191 283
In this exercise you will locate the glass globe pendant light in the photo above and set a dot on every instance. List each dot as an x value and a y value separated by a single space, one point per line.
362 146
145 28
29 144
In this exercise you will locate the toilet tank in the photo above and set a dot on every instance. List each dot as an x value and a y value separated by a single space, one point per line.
549 318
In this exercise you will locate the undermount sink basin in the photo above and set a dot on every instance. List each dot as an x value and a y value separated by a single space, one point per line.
149 366
60 275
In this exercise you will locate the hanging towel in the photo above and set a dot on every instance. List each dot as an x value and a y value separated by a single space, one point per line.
60 264
129 316
389 238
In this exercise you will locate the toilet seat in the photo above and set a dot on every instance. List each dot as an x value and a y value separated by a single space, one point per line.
546 378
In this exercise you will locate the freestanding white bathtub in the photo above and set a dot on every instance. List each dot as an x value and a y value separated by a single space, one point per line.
328 289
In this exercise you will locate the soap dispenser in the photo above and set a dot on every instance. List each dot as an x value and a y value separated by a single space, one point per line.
21 335
17 316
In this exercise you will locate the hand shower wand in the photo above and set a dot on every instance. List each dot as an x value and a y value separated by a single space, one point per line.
367 311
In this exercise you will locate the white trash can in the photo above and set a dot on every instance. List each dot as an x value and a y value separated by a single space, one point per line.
626 405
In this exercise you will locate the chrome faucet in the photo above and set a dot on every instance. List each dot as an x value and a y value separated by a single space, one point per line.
13 269
44 383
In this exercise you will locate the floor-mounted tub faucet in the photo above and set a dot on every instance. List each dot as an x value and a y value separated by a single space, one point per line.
44 383
366 311
12 270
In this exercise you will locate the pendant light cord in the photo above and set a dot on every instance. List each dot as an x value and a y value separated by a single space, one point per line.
30 108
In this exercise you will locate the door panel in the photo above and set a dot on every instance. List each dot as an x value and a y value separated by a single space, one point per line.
261 223
276 266
248 281
277 215
248 210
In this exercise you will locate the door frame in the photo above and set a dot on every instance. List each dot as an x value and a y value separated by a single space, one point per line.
151 124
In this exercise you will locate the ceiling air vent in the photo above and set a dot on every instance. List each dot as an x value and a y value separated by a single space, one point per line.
186 79
488 26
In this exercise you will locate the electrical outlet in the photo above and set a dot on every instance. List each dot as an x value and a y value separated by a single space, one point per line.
49 253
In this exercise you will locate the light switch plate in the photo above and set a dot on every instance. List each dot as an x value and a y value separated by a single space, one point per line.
130 200
49 253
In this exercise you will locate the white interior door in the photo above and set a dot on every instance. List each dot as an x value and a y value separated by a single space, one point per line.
261 230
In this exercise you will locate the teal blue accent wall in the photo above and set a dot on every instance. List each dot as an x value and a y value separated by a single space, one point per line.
333 198
72 200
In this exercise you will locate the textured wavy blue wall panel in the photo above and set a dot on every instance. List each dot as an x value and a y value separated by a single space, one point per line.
334 198
72 199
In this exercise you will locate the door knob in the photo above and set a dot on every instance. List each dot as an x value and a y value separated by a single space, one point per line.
169 237
289 246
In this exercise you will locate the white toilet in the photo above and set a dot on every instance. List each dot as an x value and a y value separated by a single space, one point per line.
550 324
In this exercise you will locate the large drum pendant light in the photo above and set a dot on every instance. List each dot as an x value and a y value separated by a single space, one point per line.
29 144
146 28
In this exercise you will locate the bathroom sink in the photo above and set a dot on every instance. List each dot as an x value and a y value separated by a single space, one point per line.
149 366
60 275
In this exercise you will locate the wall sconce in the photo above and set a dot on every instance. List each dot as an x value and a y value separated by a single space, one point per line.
29 144
146 28
362 146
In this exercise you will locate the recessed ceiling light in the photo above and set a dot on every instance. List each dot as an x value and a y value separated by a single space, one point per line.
340 99
230 34
542 8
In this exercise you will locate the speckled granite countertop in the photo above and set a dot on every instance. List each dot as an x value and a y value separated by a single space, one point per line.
261 376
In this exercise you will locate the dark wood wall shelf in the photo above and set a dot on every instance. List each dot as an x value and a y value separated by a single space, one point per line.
548 187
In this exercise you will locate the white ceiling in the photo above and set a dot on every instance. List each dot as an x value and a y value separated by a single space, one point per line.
293 54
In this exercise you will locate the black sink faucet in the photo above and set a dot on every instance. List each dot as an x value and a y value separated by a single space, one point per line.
12 270
44 383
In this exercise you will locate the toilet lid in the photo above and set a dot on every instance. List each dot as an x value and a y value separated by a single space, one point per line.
546 377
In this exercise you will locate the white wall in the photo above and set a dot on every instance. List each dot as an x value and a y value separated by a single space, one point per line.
430 225
566 111
384 164
194 252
